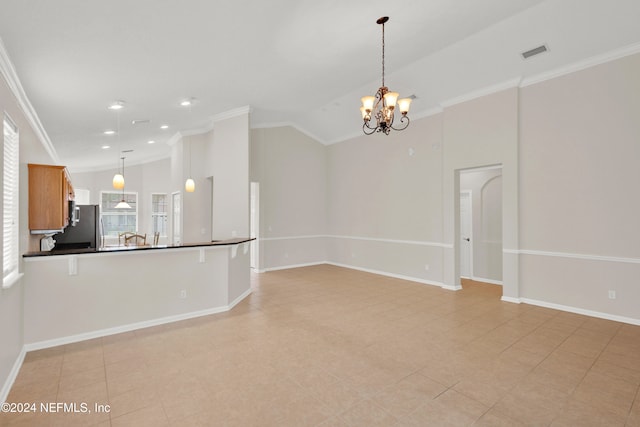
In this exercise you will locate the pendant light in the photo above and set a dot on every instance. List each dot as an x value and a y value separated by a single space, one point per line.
382 106
118 178
190 184
122 204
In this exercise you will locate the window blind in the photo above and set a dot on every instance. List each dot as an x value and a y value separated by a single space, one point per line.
11 176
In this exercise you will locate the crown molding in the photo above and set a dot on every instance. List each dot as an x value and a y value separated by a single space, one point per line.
11 77
289 124
499 87
582 65
236 112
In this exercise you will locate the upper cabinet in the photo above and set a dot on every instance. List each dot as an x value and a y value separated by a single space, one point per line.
50 192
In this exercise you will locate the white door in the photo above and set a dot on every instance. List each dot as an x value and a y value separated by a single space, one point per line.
465 235
177 221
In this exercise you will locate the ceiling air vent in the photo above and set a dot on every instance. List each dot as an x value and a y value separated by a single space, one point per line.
535 51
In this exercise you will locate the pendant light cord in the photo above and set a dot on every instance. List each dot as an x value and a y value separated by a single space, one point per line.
383 54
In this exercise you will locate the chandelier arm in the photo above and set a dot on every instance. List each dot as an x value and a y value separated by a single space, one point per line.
402 120
365 126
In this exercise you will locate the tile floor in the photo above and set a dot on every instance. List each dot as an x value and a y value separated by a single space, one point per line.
327 346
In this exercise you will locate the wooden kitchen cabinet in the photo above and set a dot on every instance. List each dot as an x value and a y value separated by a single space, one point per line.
50 191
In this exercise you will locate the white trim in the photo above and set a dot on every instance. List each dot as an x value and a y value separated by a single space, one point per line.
406 242
366 239
11 280
385 273
230 114
582 311
582 65
490 281
9 72
267 239
75 169
239 299
286 267
132 326
499 87
13 374
289 124
452 287
510 299
573 256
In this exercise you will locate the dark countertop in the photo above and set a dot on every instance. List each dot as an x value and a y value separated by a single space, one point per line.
111 249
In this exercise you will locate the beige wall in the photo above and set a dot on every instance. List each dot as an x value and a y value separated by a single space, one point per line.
579 178
291 169
12 299
385 202
227 161
568 149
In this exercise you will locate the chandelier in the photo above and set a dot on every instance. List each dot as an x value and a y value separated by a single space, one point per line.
382 106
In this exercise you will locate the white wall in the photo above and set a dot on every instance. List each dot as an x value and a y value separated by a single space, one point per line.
196 206
292 171
568 149
12 299
227 161
113 292
579 178
384 208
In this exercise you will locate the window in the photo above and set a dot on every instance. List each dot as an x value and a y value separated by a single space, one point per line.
11 173
159 204
114 220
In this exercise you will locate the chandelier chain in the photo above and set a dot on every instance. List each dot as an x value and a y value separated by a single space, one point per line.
383 54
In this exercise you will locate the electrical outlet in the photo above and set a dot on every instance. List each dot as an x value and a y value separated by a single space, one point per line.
612 294
183 294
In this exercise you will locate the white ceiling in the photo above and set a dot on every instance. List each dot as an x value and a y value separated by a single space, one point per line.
292 61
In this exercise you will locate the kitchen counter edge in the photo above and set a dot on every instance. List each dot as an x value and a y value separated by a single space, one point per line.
112 249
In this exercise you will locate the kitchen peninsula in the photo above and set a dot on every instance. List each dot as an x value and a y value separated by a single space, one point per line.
77 294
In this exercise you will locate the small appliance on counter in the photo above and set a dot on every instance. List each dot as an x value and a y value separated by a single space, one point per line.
47 243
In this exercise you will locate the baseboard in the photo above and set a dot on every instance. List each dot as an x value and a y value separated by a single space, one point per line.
286 267
240 298
132 326
490 281
385 273
510 299
452 287
6 388
582 311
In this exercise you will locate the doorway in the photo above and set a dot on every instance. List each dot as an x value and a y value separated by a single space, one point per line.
479 234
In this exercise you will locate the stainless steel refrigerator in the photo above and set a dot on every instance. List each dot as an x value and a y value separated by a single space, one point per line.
85 234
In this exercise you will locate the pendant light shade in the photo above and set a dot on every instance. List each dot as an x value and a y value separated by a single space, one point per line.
123 205
118 181
190 186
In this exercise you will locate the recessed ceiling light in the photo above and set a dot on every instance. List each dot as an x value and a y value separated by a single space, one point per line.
109 132
118 105
151 142
164 127
106 147
186 103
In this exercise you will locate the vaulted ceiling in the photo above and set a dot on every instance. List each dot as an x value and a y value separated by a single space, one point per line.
293 62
